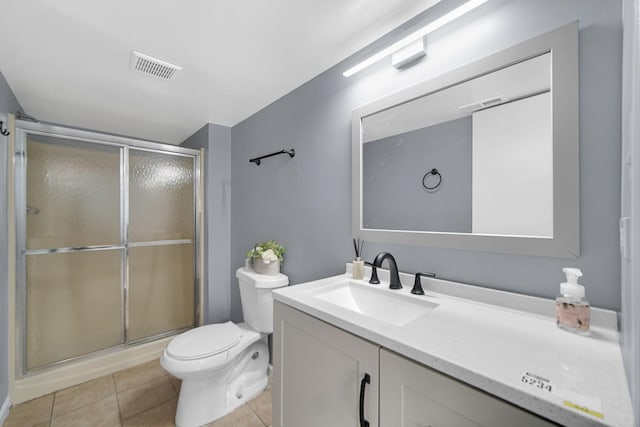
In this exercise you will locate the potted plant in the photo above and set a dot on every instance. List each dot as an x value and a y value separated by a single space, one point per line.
265 257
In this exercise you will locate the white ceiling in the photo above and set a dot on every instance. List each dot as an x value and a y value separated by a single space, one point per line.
67 61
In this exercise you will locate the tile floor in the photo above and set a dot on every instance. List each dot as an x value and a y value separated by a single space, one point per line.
144 395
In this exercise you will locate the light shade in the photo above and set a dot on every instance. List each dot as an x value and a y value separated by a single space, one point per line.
408 55
434 25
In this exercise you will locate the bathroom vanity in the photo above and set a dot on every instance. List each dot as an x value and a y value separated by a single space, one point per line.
348 353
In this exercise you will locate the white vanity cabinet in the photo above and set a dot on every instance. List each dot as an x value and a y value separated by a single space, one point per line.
323 373
318 373
413 395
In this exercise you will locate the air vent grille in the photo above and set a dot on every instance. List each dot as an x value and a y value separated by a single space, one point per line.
153 66
481 105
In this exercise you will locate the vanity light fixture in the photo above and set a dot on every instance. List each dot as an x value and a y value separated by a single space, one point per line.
416 35
409 55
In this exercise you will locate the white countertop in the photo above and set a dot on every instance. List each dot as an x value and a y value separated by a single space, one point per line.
489 339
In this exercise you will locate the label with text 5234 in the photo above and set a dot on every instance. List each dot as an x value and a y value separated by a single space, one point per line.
537 382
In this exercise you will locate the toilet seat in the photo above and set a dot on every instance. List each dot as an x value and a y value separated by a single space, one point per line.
204 341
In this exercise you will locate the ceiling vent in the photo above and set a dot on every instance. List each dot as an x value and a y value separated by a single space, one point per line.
481 105
152 66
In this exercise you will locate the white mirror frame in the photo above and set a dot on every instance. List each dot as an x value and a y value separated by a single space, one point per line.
562 43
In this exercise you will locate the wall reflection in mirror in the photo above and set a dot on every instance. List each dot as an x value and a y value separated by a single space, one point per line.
490 139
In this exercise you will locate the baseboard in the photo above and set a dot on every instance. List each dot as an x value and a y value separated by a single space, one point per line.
4 410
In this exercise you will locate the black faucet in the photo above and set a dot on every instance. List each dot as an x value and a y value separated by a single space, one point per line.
394 278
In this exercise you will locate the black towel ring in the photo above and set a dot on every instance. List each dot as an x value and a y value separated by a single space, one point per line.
432 172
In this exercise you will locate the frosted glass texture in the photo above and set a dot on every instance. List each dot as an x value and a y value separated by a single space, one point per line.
161 289
110 290
161 197
73 304
73 193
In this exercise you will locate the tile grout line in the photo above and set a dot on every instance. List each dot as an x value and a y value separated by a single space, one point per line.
53 404
148 409
137 384
257 415
51 417
153 407
81 407
115 392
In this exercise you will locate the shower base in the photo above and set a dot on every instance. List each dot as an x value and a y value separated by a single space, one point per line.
40 383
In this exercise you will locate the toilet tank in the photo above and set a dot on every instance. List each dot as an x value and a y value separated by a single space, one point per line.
255 294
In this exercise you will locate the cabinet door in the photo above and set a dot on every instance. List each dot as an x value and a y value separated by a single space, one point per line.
318 370
412 395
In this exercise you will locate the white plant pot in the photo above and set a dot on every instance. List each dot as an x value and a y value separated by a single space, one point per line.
261 267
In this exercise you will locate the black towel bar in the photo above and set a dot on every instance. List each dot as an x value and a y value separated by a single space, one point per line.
256 160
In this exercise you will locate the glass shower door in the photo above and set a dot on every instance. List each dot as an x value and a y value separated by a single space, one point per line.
161 243
106 237
73 249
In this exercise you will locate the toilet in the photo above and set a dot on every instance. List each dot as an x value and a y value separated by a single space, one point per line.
224 365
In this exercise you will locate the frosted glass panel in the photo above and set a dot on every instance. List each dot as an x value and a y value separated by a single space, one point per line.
81 194
161 289
73 193
73 304
160 197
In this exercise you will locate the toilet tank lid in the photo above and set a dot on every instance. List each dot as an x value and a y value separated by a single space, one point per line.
204 341
262 280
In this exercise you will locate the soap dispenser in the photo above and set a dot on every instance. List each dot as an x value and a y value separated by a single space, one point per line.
572 309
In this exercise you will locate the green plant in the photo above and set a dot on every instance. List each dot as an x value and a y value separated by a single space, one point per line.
267 251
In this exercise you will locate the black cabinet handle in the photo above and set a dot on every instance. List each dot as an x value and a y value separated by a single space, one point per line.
366 380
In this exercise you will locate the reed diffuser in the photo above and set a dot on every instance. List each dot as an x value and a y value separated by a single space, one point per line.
357 267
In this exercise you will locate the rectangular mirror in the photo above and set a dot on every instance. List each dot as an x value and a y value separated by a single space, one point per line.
484 157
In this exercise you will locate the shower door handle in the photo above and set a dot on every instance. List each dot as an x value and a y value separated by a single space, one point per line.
365 380
71 249
95 247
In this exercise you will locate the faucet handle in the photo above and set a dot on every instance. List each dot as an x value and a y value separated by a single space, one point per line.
374 274
417 285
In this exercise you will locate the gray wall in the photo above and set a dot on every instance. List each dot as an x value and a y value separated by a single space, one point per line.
305 202
8 104
393 168
216 140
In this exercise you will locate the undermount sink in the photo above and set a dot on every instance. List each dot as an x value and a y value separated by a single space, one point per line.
379 304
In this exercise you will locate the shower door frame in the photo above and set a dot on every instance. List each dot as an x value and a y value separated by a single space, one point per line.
124 144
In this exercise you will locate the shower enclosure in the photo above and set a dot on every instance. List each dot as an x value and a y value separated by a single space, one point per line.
107 234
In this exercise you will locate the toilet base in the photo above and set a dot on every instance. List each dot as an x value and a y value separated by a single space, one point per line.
203 400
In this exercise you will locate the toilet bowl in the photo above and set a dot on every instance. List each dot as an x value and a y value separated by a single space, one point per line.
223 365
